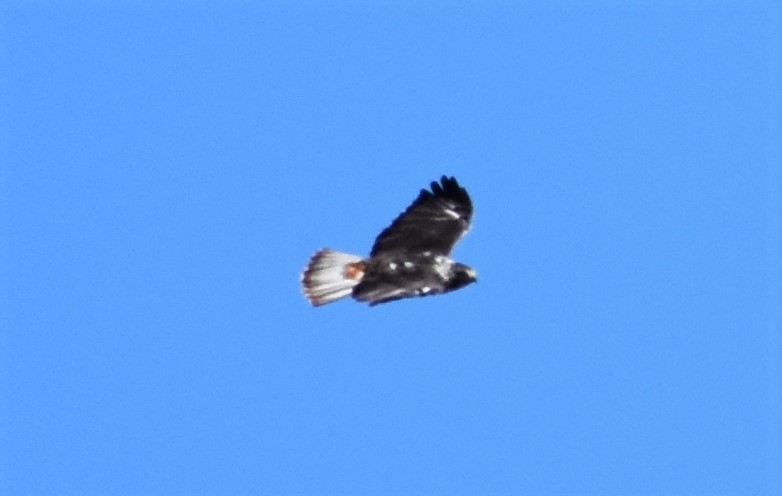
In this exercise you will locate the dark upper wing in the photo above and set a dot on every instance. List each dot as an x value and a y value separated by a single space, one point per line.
434 222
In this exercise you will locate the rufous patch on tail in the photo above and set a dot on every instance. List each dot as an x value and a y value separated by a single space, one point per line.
331 275
355 270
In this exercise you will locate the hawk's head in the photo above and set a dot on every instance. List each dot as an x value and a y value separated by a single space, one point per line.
461 276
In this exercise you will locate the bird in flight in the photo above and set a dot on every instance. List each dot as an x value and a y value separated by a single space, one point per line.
409 258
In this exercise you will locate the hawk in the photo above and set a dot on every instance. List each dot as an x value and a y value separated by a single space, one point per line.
409 258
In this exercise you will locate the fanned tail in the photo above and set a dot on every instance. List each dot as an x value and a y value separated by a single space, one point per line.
331 275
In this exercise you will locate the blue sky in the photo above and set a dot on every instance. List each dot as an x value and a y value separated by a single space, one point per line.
167 169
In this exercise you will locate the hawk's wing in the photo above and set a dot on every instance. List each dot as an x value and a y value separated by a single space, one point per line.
434 222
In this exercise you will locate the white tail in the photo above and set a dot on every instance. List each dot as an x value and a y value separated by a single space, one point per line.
331 275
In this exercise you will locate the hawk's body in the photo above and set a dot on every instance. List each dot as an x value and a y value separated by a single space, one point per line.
409 258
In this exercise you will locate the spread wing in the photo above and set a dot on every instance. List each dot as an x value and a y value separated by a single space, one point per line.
434 222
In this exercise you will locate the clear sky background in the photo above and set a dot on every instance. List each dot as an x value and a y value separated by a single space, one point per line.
168 168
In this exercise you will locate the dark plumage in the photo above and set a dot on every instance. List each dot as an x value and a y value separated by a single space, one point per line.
409 258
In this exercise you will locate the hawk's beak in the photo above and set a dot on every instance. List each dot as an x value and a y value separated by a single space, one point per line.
473 274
